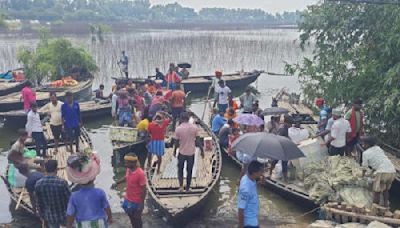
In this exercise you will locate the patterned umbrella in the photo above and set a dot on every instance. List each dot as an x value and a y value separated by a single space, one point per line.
249 119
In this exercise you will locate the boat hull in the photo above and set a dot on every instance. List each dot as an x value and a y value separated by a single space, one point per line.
202 87
14 89
81 94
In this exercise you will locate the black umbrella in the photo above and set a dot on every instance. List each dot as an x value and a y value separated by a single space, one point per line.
275 111
266 145
184 65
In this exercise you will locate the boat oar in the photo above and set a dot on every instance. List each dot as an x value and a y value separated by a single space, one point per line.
208 98
20 198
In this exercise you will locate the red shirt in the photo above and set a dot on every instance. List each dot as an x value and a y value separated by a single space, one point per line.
134 185
28 96
156 131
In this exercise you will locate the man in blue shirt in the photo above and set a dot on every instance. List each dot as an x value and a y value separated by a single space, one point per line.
218 122
89 206
248 202
71 116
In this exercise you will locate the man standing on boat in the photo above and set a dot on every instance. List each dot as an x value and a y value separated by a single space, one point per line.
135 189
35 130
54 111
71 115
177 102
248 202
186 139
356 118
52 194
28 96
384 171
247 100
222 98
339 132
124 62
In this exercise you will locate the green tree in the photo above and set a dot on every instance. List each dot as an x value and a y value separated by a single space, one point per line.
355 55
53 56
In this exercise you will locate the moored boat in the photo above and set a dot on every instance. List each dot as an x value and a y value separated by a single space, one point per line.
201 84
81 91
179 207
20 195
89 110
12 81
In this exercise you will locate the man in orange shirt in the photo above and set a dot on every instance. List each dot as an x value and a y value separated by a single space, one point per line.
177 105
232 103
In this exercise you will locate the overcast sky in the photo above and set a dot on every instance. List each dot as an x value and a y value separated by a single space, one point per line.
272 6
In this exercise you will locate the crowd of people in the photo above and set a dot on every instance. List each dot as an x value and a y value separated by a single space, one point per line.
152 108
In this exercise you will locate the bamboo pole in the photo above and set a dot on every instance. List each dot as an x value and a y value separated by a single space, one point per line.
20 198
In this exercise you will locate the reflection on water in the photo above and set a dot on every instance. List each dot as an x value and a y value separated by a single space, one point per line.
207 51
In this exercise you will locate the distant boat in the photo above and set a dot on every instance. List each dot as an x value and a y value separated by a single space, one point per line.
201 84
9 84
13 101
180 207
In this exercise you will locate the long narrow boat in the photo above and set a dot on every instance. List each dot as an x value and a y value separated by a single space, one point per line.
179 207
19 194
8 86
89 109
13 101
201 84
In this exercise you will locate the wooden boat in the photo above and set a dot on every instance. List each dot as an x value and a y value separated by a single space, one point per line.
9 86
21 197
13 102
201 84
89 109
179 207
125 140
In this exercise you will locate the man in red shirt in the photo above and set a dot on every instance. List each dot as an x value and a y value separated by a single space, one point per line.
157 130
177 105
135 189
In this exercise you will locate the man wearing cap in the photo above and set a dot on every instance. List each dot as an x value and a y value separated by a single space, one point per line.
356 118
339 132
135 189
222 96
384 172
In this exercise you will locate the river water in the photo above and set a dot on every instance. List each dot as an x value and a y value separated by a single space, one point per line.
207 51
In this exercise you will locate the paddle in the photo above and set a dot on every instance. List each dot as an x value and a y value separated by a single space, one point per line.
208 99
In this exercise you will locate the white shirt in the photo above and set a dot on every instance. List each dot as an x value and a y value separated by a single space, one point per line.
223 94
376 158
297 134
114 99
55 112
33 123
339 129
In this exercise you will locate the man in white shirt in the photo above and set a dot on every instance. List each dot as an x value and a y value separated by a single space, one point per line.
35 130
222 96
53 109
384 172
339 131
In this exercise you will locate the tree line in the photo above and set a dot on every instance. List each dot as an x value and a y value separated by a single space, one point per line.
134 10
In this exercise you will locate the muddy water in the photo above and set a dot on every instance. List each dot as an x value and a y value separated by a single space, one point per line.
207 51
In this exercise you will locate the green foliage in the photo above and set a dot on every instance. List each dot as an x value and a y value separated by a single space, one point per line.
135 10
52 55
355 55
3 23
